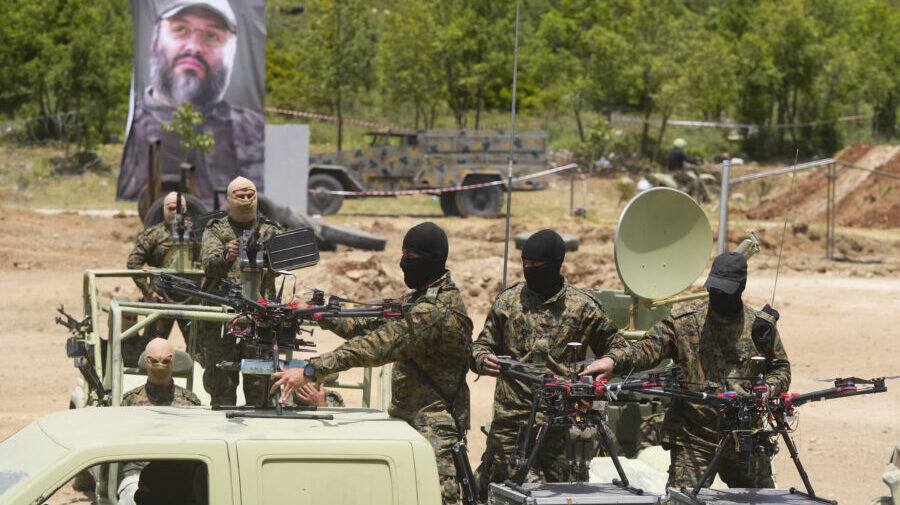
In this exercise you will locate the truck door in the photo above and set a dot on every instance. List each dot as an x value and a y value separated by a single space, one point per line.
281 472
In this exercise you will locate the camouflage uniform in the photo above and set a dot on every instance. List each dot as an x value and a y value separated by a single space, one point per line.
153 394
151 248
239 147
709 348
528 328
434 338
222 384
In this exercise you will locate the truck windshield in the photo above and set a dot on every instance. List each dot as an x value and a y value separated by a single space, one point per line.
27 453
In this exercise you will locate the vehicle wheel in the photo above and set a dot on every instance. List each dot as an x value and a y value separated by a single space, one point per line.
142 203
324 203
195 207
448 204
481 202
353 238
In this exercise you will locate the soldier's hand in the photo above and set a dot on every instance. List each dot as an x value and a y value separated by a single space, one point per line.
232 249
311 394
601 368
292 379
491 365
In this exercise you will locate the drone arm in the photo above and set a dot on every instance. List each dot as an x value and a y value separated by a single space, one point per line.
522 376
831 393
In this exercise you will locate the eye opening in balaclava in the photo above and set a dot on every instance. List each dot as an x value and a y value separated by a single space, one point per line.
549 247
429 242
242 210
159 360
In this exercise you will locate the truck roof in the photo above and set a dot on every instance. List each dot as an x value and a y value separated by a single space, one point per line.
82 428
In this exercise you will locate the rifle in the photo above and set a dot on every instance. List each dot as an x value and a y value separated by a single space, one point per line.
77 348
751 422
271 327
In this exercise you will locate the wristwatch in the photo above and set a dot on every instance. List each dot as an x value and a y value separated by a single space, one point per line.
309 371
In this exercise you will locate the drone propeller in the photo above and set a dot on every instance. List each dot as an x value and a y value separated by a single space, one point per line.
512 362
857 380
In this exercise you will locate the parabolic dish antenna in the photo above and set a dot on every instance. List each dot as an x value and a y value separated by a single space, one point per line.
663 243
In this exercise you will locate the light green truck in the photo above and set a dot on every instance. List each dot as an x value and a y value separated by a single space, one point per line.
360 456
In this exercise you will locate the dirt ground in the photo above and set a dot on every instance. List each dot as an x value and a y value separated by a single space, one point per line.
838 318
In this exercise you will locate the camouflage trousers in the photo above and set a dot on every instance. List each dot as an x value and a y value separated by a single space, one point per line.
689 462
440 431
501 443
222 384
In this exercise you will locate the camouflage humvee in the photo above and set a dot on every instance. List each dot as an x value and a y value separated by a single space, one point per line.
426 160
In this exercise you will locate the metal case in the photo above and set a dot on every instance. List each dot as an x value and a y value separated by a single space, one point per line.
569 493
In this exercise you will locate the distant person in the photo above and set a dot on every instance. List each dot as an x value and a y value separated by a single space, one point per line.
677 157
191 60
151 248
173 482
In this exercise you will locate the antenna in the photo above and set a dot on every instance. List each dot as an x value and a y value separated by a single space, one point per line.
787 210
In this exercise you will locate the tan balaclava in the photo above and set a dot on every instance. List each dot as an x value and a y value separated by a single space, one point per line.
170 206
242 200
160 361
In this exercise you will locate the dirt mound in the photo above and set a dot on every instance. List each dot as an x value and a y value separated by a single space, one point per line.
853 152
863 198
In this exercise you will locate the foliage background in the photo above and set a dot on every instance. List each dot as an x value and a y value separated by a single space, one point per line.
65 65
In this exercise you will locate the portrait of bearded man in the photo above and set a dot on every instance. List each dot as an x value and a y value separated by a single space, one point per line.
191 60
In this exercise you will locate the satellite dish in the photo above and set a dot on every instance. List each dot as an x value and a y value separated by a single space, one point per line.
663 243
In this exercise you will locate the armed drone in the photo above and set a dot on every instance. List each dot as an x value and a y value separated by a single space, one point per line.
750 422
271 328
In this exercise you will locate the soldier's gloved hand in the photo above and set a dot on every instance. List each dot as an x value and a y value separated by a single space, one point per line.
763 331
491 365
232 250
600 368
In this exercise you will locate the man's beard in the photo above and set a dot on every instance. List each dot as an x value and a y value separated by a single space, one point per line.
187 86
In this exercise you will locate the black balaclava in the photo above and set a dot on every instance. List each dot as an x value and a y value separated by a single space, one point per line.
728 276
549 247
430 241
725 304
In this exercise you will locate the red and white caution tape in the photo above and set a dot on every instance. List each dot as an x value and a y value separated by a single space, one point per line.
450 189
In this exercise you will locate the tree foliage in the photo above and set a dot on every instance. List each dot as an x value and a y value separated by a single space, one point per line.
772 64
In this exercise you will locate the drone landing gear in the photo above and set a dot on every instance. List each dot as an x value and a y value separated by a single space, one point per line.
713 464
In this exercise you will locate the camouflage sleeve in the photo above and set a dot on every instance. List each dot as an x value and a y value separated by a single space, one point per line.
333 398
657 344
490 340
778 368
605 339
391 342
349 327
191 398
138 258
212 255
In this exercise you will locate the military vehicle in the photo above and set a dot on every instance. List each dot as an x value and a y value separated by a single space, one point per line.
347 456
429 160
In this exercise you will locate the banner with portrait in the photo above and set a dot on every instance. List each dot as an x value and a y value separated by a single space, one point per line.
211 54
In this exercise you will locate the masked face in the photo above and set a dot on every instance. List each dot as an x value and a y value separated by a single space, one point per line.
542 277
418 272
242 200
191 57
170 206
725 304
160 361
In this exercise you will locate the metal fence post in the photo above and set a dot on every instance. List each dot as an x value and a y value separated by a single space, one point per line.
723 210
